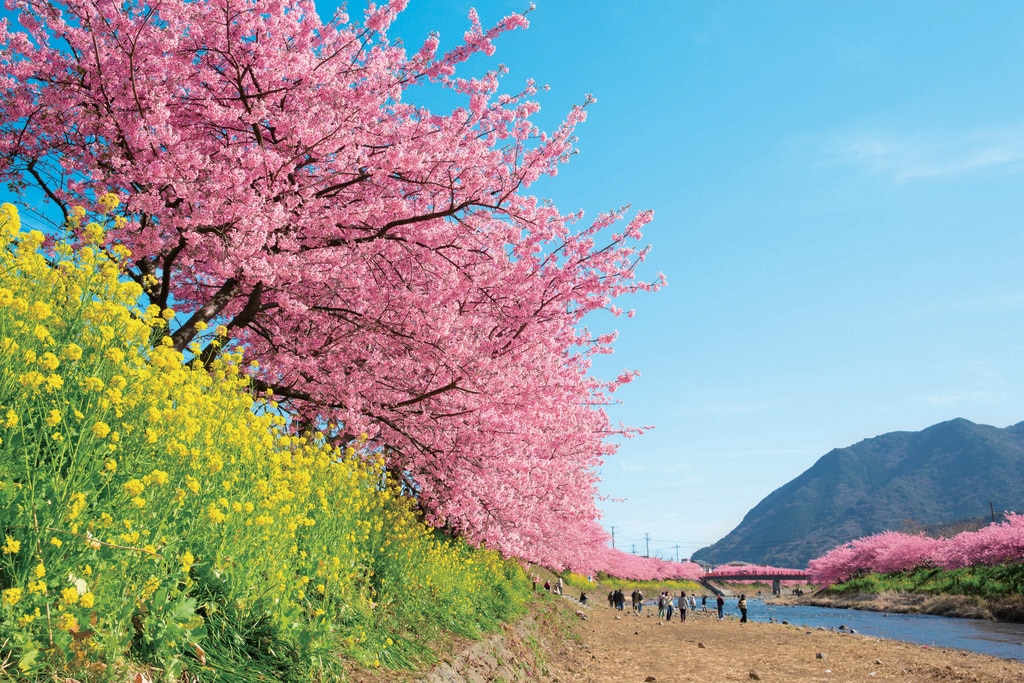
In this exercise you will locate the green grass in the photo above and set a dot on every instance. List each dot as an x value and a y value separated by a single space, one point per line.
980 581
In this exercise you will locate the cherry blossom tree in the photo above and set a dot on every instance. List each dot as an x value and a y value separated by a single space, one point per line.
385 264
890 551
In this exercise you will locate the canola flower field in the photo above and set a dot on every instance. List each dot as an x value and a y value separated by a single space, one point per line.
160 517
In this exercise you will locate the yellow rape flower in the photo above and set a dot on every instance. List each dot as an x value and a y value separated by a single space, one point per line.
40 310
67 622
87 600
93 384
215 515
69 596
109 201
93 234
187 560
56 542
11 546
39 571
100 429
12 596
53 418
78 503
134 487
49 362
73 351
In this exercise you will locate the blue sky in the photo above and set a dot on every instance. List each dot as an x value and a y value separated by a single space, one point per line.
837 189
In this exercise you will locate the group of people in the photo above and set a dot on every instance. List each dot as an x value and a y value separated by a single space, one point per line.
556 588
667 605
617 600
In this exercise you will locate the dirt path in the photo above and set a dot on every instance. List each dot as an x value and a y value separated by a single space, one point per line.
621 646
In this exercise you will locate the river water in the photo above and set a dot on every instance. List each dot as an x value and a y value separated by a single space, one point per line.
1000 639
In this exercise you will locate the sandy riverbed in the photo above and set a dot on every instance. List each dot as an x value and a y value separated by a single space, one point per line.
620 646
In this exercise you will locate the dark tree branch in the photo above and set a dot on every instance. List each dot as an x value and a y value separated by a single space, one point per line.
184 334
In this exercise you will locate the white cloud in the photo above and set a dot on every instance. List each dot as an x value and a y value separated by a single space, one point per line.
907 157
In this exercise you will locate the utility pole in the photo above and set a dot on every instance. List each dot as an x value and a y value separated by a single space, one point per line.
633 548
677 552
993 509
613 538
647 538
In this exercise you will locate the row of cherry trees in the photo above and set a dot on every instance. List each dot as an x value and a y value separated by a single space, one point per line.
624 565
890 551
385 264
753 570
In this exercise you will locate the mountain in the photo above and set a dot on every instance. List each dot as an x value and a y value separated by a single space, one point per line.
946 474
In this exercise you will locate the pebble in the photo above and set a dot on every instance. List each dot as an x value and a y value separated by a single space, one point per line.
754 675
820 655
650 679
702 646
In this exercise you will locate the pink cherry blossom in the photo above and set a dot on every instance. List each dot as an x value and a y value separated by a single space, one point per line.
385 264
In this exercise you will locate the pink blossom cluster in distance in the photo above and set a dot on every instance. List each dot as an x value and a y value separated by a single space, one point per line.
891 551
624 565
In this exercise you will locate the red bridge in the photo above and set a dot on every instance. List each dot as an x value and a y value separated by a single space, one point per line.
709 579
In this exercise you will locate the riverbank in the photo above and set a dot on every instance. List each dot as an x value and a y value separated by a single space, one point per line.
1004 608
552 642
620 646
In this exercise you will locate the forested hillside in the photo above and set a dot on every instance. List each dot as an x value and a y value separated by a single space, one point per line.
907 481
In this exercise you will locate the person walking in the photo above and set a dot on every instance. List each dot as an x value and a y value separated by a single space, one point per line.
668 606
704 603
682 607
742 604
720 602
661 605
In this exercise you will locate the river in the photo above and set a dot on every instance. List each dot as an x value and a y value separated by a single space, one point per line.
996 638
